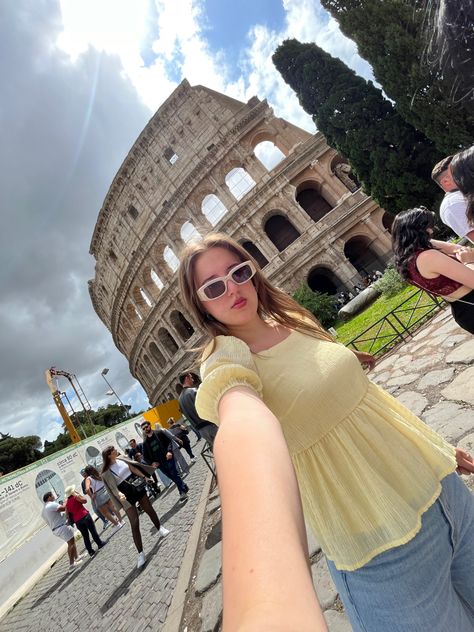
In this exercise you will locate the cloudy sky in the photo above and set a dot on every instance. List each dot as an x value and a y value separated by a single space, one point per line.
80 79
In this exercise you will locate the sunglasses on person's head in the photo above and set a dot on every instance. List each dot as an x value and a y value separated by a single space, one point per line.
215 288
146 426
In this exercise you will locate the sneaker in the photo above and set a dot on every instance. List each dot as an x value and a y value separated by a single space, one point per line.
92 554
117 527
141 560
183 496
74 565
193 460
106 525
101 545
163 532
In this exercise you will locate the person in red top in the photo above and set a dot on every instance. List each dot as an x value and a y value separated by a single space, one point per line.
82 518
435 266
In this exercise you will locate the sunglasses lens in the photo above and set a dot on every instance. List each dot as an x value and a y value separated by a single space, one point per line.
214 290
242 275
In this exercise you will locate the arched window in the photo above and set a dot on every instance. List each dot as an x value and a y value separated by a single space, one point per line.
323 280
268 154
312 202
156 280
213 209
145 297
239 182
362 256
189 233
133 313
281 231
256 253
156 354
182 325
167 340
171 259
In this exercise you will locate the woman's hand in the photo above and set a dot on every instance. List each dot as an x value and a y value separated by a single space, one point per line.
169 456
465 255
465 462
122 496
365 358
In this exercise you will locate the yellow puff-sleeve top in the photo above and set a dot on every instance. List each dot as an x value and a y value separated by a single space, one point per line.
367 467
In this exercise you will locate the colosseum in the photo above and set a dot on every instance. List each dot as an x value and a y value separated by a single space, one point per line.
205 162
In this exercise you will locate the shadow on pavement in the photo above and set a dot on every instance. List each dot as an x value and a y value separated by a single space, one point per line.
128 581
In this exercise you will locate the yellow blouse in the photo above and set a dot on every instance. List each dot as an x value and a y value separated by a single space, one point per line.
367 467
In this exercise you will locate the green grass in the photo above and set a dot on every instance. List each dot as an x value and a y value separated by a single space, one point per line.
349 330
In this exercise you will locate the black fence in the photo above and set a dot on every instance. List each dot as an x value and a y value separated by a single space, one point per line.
398 325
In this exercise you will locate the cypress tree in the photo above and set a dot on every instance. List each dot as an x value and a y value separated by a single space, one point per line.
391 159
391 36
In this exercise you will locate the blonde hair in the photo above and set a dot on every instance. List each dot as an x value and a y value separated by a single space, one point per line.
273 304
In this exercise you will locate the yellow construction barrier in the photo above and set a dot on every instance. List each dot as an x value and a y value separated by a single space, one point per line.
160 414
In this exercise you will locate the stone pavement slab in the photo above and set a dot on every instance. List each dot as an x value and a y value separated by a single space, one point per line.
107 592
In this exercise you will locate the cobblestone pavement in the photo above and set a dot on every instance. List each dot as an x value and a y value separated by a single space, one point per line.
433 375
107 592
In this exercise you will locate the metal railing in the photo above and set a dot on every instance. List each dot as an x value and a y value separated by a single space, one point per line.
397 326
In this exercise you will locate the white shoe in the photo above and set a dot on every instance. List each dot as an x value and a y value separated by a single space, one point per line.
141 560
116 528
193 460
163 532
74 565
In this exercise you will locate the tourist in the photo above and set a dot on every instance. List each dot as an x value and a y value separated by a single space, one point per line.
369 471
96 489
181 432
462 171
134 449
187 403
453 206
52 514
121 476
105 522
82 519
435 266
158 450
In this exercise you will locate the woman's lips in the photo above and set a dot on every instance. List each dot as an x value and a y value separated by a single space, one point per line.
242 302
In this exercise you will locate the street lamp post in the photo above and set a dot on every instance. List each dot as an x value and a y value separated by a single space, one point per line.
113 392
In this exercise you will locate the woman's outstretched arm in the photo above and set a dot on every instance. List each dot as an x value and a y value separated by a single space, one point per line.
435 262
267 581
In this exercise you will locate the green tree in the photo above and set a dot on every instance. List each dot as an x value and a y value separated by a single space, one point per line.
16 452
391 159
389 35
321 305
63 440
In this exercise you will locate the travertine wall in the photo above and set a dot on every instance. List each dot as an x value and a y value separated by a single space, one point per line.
186 153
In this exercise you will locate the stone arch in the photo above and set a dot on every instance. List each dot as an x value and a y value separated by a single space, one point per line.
323 280
189 232
156 354
170 258
133 314
268 153
141 299
181 324
311 201
167 340
152 283
239 182
256 253
280 231
359 251
213 209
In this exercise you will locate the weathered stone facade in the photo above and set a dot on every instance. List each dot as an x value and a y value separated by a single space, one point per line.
194 168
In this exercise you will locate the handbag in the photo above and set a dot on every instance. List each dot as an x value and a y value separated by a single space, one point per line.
133 487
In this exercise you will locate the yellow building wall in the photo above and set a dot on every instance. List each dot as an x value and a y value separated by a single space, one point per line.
160 414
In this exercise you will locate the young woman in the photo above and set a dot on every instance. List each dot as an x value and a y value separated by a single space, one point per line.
82 519
118 474
435 266
96 489
378 486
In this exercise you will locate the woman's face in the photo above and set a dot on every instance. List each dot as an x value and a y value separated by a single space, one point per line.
238 305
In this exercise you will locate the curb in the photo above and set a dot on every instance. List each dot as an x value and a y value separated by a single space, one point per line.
175 611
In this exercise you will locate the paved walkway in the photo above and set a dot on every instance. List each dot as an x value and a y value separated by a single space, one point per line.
107 592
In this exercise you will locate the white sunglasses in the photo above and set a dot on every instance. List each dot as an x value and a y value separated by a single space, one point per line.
215 288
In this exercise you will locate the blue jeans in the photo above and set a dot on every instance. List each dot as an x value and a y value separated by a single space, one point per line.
424 585
169 469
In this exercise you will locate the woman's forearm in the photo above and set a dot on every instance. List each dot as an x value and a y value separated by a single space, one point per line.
264 537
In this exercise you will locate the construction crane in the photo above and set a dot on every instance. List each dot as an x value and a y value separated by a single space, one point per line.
53 372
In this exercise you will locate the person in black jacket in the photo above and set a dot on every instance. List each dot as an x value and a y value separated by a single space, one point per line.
158 451
181 432
187 399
